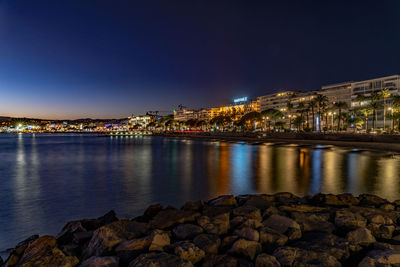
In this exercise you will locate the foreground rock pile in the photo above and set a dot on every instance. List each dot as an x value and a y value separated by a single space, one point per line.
247 230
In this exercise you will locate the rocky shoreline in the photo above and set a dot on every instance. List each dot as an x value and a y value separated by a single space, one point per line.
246 230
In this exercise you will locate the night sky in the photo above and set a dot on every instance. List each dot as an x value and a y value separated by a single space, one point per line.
108 59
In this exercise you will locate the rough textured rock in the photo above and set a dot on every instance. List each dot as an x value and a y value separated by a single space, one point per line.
265 260
188 251
381 258
100 262
159 259
107 237
288 256
227 200
349 221
284 225
43 252
246 248
249 230
247 233
208 242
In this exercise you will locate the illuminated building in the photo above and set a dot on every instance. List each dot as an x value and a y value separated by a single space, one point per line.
340 92
140 122
275 101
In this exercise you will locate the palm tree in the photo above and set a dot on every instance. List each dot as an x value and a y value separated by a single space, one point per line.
374 106
340 106
301 110
268 115
366 111
289 107
250 118
385 93
321 101
360 98
312 105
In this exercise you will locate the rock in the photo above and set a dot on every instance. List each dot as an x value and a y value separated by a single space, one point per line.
160 260
188 251
249 212
335 200
224 260
270 211
159 239
227 200
349 221
228 241
285 198
219 224
196 206
68 231
310 222
1 261
248 233
271 238
17 252
108 236
381 258
254 201
381 231
265 260
302 208
149 213
170 217
255 224
43 252
203 220
156 241
245 248
371 200
187 231
360 237
289 256
387 207
100 262
284 225
208 242
212 211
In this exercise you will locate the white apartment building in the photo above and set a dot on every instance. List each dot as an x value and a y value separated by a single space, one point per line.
140 121
340 92
275 101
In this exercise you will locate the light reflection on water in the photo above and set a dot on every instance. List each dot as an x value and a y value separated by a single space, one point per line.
46 181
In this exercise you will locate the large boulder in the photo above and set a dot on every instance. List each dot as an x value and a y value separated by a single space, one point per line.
361 237
347 220
265 260
245 248
187 231
170 217
100 262
17 252
254 201
227 200
109 236
224 260
44 252
371 200
160 260
188 251
334 200
284 225
219 224
271 238
208 242
249 212
310 222
247 233
381 258
289 256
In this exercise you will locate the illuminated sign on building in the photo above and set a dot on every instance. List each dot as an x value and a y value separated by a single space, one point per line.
240 100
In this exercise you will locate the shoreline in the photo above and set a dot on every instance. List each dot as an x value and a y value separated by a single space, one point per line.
368 145
248 230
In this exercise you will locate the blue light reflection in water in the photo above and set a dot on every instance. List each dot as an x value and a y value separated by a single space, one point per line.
46 181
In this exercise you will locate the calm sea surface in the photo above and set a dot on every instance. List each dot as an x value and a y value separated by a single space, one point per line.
47 180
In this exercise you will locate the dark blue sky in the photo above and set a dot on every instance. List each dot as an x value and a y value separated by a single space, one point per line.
104 59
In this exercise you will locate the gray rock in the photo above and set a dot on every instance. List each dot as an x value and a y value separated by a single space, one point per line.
170 217
219 224
249 212
265 260
245 248
360 237
160 260
311 222
248 233
108 236
155 241
227 200
289 256
224 260
381 258
284 225
100 262
271 238
208 242
187 231
188 251
349 221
